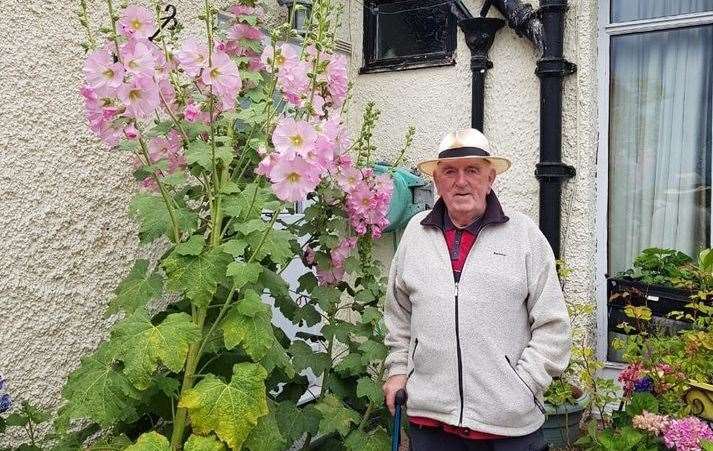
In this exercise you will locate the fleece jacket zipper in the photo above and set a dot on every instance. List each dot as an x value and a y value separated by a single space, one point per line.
534 396
460 363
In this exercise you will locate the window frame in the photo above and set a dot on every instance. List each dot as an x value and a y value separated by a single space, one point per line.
607 29
371 64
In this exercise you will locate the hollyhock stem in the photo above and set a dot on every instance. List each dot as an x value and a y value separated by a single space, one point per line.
114 35
84 20
164 194
370 408
173 117
179 425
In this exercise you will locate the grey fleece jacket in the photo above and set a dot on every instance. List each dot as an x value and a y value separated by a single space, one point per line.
480 353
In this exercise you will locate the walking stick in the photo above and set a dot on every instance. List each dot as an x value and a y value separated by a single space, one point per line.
399 401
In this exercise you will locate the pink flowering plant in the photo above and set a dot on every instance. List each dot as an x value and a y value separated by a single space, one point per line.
229 135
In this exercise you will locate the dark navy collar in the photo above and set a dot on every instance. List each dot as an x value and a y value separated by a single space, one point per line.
438 217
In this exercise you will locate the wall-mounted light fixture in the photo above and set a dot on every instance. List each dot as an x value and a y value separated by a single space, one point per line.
298 11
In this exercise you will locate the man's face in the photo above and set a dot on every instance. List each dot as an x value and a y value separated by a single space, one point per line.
463 185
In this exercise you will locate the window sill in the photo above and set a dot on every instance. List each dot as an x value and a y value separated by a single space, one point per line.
406 65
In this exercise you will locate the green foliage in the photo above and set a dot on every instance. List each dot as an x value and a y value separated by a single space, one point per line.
231 409
141 345
151 441
659 266
193 358
139 287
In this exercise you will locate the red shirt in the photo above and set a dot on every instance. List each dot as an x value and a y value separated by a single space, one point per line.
460 242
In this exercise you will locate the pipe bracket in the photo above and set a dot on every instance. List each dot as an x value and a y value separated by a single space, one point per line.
554 170
554 67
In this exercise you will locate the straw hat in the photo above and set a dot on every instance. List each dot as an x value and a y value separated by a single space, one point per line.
466 143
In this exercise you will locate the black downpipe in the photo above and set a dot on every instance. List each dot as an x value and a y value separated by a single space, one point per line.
550 171
479 35
545 28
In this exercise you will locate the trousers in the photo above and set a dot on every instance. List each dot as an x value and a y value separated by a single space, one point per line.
435 439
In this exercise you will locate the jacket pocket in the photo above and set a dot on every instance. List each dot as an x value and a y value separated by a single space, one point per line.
413 360
534 396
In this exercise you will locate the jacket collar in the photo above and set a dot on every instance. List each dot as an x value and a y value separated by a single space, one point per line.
438 217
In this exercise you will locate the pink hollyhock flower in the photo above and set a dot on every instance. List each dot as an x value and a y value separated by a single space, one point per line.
336 133
168 149
309 256
245 31
168 94
361 200
686 434
224 77
322 154
140 96
136 22
131 132
103 75
191 112
138 59
266 164
342 251
230 48
192 57
349 178
292 179
286 56
329 276
149 184
293 81
294 137
337 79
255 64
384 185
343 162
241 10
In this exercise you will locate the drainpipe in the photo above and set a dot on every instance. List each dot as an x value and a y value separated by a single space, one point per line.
479 35
545 28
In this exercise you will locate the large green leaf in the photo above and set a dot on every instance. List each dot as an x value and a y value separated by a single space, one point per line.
326 297
97 390
336 417
150 441
266 435
248 324
290 420
277 357
367 387
203 443
372 351
155 220
303 357
200 152
250 203
143 345
376 440
194 245
244 273
196 276
136 289
230 410
276 245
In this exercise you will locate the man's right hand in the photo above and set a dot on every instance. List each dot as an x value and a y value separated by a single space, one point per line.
391 386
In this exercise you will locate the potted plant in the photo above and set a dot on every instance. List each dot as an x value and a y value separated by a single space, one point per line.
654 296
565 402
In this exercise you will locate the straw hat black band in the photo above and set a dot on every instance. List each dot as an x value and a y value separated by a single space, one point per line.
464 152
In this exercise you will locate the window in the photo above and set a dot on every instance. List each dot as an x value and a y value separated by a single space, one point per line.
408 34
656 127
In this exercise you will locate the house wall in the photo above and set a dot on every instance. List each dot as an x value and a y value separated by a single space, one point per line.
437 100
67 239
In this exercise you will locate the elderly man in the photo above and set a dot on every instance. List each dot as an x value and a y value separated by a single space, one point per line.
477 324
